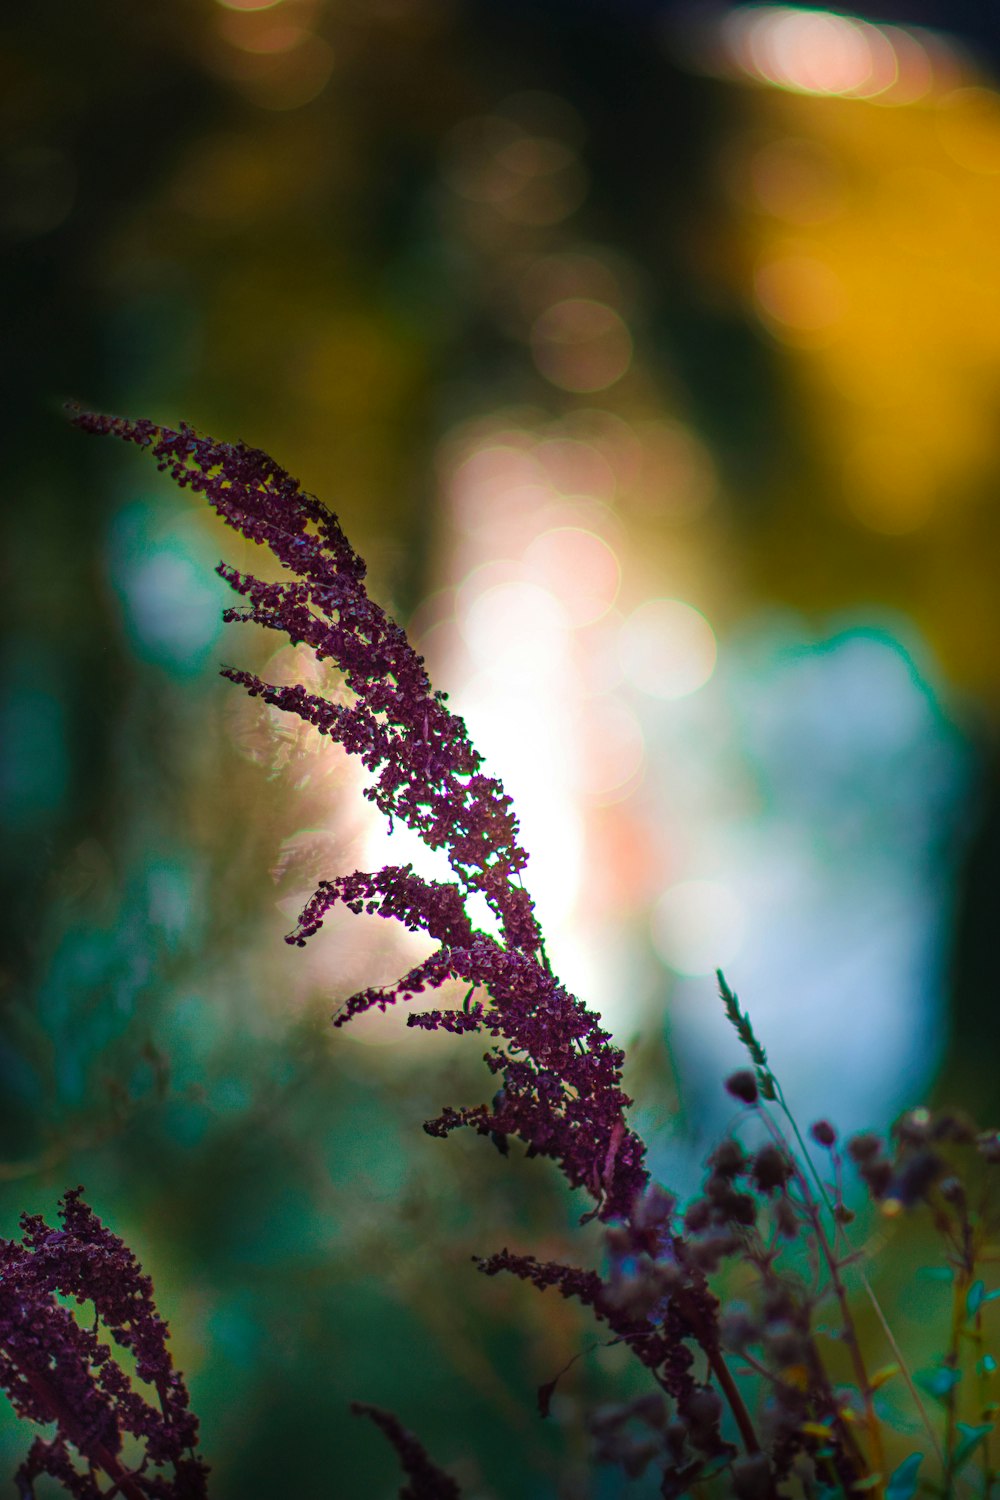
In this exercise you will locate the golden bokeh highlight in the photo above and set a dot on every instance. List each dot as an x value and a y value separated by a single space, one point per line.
888 296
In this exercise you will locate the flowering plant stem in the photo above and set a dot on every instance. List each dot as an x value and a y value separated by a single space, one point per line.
557 1077
867 1287
830 1258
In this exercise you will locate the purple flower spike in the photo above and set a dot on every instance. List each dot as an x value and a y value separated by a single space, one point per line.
561 1075
427 773
56 1369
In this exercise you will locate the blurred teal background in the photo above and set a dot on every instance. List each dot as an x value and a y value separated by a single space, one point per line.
711 298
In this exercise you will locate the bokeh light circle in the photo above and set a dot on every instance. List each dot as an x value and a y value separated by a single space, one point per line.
698 926
667 648
801 298
515 630
581 345
579 567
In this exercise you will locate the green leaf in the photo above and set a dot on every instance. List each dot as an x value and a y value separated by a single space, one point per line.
991 1296
971 1438
974 1298
892 1416
903 1481
936 1273
987 1365
939 1382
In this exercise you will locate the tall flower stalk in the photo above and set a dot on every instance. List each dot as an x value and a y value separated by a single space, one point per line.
560 1075
742 1400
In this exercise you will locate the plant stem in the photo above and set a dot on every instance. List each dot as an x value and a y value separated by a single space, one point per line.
722 1373
983 1390
812 1208
869 1290
959 1293
731 1392
898 1356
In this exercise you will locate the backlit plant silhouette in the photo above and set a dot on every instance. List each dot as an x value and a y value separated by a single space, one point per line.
739 1303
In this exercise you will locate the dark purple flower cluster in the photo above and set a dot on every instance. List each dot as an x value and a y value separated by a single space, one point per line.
561 1088
56 1369
932 1158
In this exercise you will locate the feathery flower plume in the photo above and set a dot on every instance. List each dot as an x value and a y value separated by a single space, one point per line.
561 1088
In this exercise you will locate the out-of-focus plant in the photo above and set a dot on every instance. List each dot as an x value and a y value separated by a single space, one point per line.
744 1306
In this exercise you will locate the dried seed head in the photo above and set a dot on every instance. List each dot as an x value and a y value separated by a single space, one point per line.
743 1085
914 1127
953 1125
878 1176
728 1159
785 1343
702 1412
636 1456
697 1216
708 1252
650 1408
772 1167
786 1219
738 1327
913 1181
654 1209
864 1147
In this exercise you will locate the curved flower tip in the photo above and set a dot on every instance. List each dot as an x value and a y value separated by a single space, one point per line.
426 772
427 1481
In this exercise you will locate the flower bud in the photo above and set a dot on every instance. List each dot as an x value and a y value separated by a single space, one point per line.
743 1085
771 1168
728 1159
